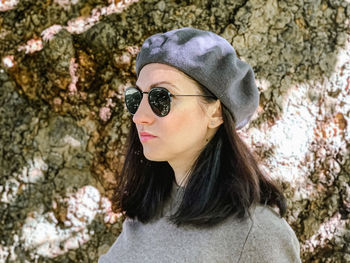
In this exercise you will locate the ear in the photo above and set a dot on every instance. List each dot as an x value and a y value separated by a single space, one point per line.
215 114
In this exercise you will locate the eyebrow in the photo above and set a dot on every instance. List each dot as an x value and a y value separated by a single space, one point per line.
157 84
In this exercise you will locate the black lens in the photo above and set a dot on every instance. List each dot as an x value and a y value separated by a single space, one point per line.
159 100
133 98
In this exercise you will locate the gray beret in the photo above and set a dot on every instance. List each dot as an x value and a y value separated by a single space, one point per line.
210 60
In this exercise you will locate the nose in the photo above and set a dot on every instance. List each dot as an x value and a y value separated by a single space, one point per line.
144 113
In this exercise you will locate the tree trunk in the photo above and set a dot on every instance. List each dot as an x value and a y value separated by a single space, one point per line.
63 124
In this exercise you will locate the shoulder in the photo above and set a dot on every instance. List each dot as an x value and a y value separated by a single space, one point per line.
270 238
267 222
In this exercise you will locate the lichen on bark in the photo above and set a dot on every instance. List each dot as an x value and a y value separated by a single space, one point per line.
64 66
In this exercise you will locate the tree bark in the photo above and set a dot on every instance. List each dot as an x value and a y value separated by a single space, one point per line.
63 124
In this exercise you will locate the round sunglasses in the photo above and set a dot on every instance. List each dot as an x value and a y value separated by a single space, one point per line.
158 98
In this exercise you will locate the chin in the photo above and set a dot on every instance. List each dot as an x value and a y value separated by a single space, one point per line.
153 157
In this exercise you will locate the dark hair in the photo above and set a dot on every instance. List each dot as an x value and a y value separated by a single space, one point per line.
225 179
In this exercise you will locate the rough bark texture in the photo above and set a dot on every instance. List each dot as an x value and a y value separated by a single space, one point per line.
64 65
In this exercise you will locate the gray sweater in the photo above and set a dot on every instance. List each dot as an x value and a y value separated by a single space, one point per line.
264 238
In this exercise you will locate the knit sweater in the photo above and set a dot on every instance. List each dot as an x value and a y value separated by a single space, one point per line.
265 238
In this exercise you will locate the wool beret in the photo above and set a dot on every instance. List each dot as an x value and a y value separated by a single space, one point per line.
210 60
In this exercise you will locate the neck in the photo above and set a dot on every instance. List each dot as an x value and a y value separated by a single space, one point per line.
181 170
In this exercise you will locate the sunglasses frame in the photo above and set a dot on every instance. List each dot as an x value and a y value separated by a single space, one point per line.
168 92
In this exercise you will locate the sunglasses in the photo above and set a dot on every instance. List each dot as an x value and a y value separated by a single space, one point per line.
158 98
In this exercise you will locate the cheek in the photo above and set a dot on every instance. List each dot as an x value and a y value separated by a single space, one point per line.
185 126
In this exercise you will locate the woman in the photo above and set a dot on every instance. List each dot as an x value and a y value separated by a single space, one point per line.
190 188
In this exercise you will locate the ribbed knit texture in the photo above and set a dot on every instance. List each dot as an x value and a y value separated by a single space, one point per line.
266 238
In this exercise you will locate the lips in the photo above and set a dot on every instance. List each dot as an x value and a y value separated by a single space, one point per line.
145 136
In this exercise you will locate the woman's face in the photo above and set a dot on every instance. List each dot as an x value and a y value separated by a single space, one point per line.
181 135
